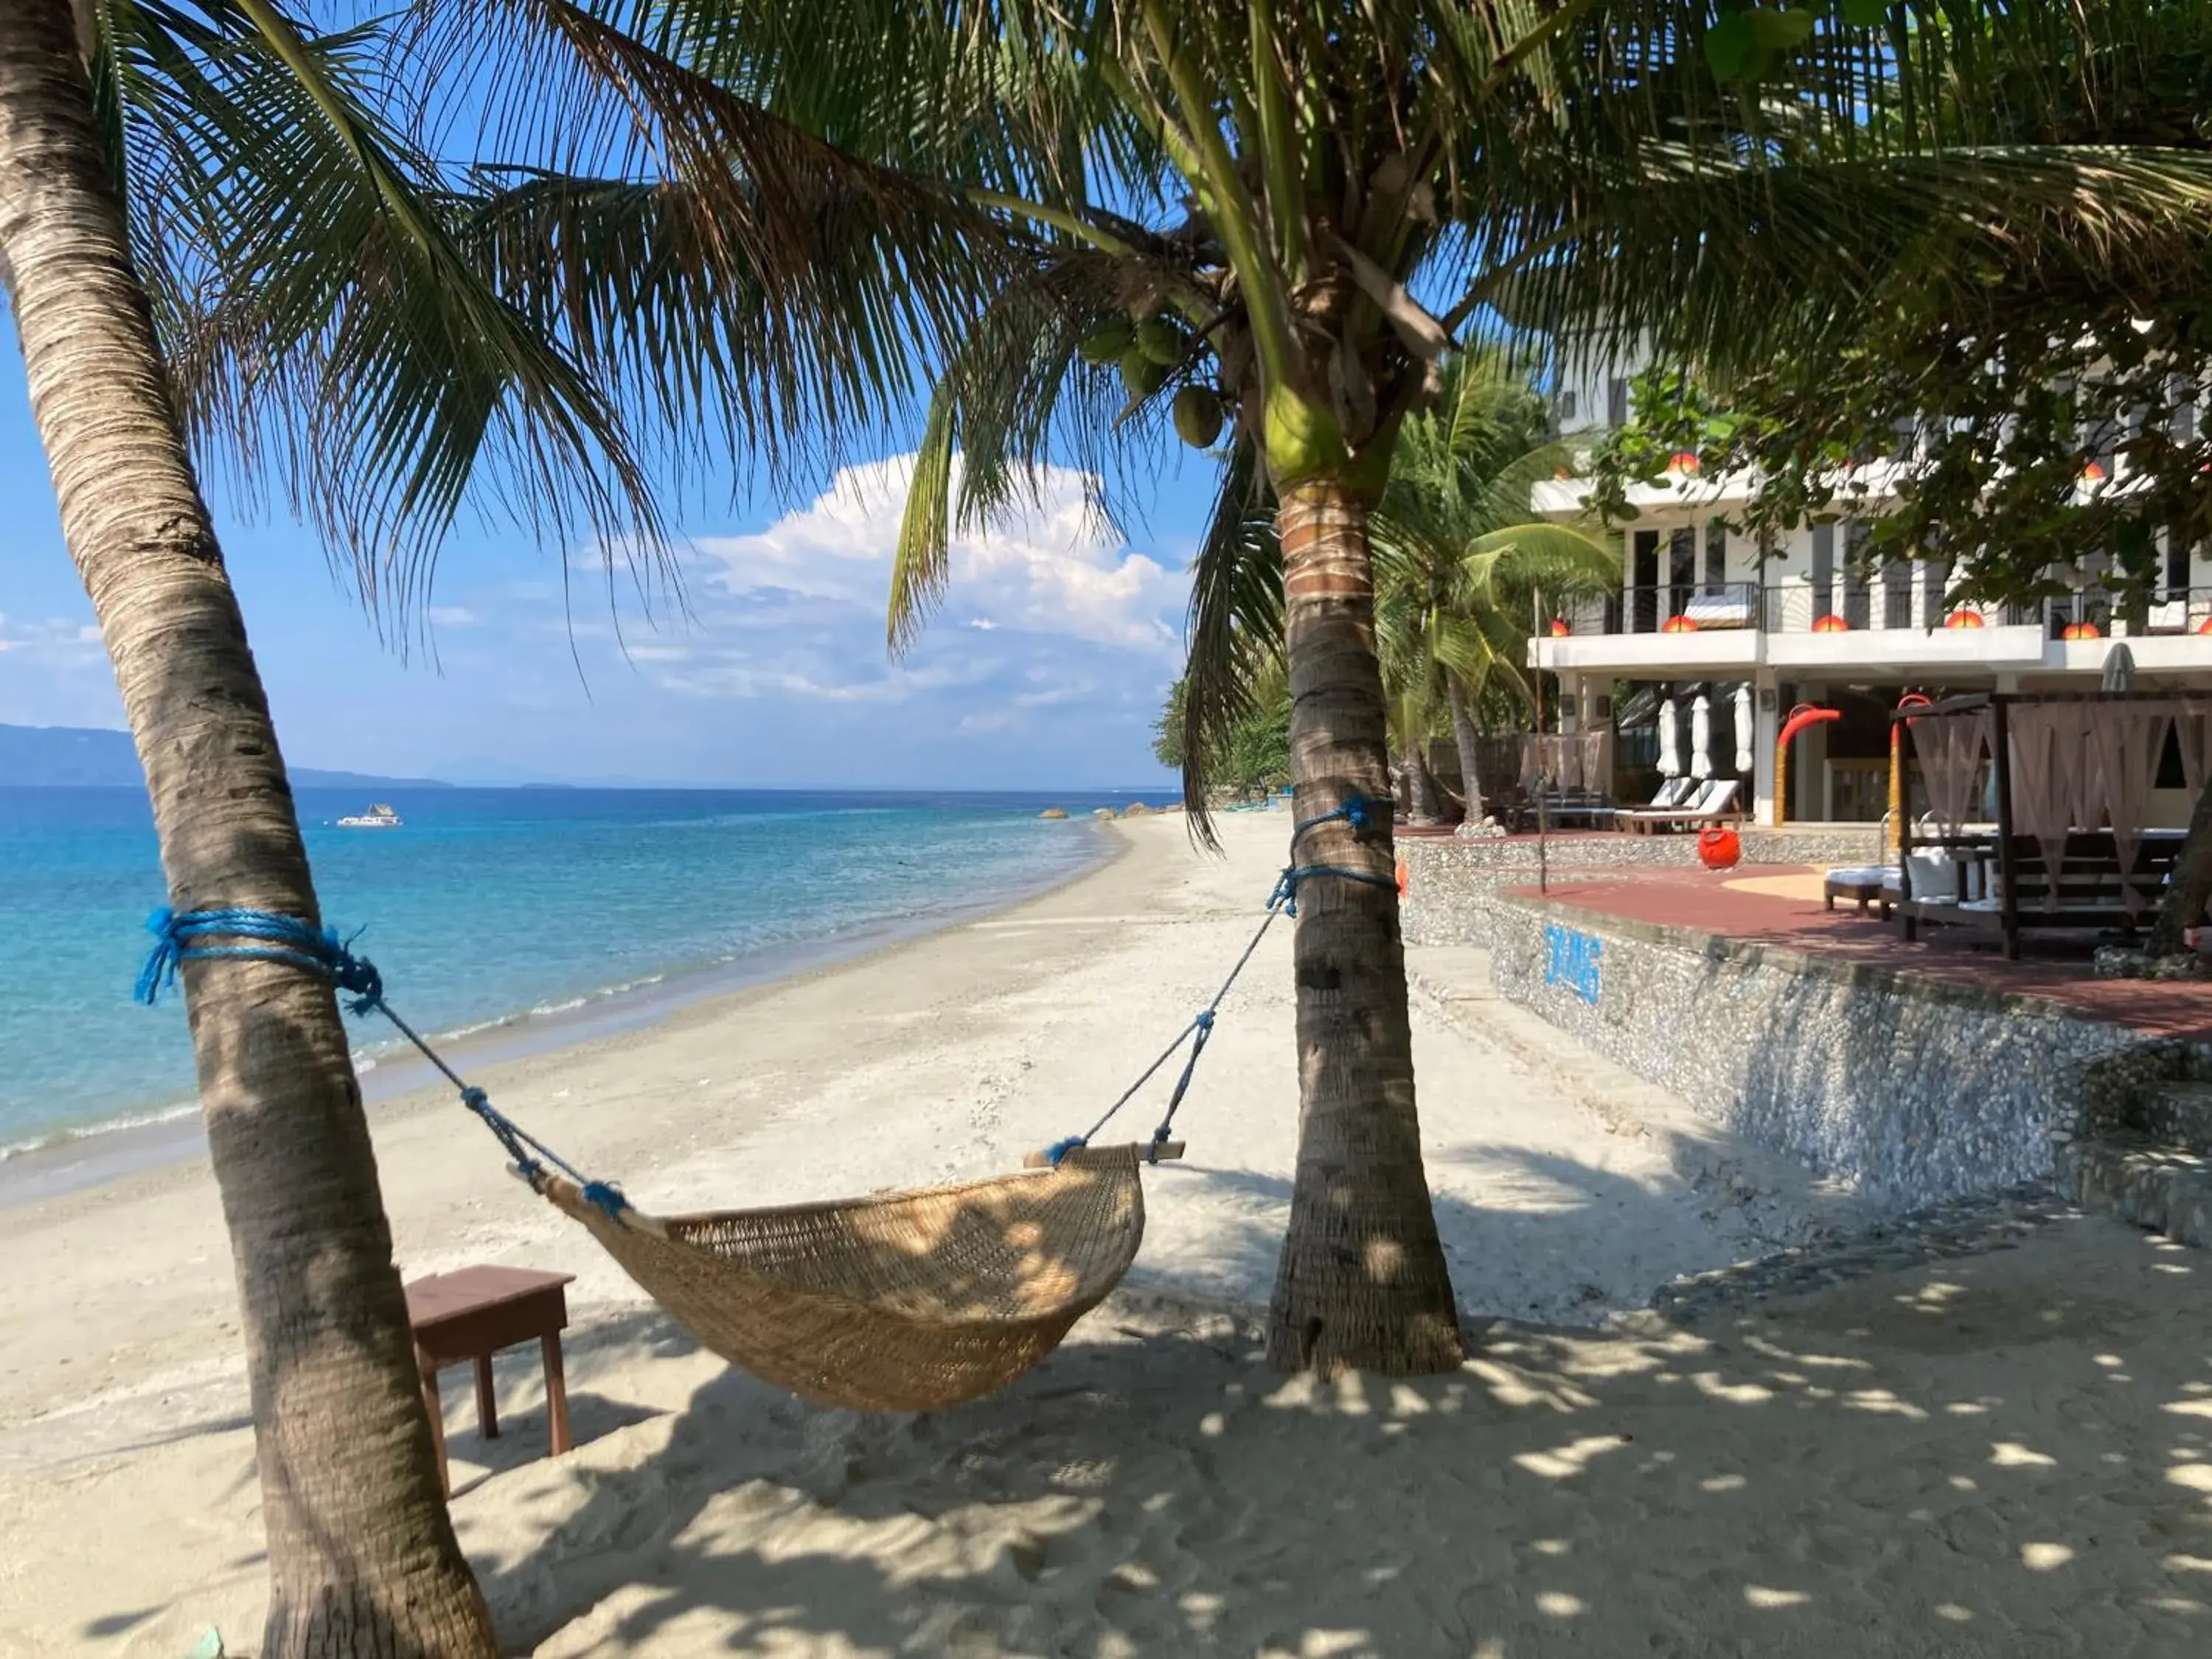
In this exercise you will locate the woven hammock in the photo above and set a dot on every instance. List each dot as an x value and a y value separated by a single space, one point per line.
908 1301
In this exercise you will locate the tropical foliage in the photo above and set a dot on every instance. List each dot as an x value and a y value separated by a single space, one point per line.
535 256
1264 225
504 257
1458 563
1253 756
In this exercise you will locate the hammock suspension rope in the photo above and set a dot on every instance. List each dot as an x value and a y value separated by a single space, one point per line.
905 1301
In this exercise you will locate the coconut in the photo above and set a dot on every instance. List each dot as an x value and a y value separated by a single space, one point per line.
1161 341
1142 374
1198 417
1108 342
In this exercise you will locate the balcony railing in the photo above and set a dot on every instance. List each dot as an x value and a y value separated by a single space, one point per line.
1882 604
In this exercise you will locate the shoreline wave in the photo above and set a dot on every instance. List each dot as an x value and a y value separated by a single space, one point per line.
681 985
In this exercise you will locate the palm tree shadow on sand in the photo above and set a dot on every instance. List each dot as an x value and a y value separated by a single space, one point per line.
1863 1470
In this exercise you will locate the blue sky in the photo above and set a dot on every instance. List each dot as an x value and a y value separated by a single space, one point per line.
1046 667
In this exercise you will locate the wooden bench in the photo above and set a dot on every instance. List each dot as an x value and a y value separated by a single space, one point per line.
472 1314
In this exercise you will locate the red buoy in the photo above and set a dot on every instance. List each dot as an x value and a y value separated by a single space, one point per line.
1719 848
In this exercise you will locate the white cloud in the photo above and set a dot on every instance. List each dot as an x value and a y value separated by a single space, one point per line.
451 616
56 639
1051 569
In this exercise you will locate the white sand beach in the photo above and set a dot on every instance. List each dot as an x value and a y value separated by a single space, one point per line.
2008 1453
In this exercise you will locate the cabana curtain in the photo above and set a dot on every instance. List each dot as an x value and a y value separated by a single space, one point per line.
1951 760
2085 764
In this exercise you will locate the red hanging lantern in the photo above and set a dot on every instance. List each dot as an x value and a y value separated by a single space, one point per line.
1830 623
1560 628
1682 461
2092 474
2205 626
1965 619
2080 630
1678 625
1719 846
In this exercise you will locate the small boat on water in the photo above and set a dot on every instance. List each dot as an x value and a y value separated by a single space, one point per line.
379 816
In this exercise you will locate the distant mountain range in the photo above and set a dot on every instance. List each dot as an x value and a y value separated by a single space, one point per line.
54 756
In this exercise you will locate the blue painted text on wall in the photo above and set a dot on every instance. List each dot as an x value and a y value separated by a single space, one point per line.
1571 960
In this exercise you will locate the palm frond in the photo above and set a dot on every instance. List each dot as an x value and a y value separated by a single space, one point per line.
921 564
1235 632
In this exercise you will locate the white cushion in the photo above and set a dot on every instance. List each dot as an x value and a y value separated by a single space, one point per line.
1868 875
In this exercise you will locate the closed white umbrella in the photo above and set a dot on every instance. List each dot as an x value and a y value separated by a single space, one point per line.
1701 738
2119 669
1670 751
1743 727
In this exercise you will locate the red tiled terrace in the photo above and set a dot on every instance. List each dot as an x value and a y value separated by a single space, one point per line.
2054 968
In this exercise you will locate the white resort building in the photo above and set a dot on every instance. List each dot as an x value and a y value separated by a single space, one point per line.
1703 612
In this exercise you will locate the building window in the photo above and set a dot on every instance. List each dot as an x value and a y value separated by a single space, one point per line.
1897 594
2177 565
1682 569
1715 554
1858 558
1616 402
1564 405
1643 583
1936 582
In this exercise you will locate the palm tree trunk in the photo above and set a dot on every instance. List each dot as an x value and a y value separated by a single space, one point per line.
1362 1281
1470 752
2182 907
363 1558
1423 804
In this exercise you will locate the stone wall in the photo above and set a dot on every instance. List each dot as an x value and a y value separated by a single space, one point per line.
1912 1089
1450 882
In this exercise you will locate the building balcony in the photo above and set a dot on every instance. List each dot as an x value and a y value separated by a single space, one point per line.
1719 629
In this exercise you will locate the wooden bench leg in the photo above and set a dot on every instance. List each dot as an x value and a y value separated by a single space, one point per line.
428 1368
556 1392
487 1404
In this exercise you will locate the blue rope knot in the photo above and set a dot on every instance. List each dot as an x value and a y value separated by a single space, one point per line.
1204 1020
254 936
1060 1149
1286 889
1353 811
607 1196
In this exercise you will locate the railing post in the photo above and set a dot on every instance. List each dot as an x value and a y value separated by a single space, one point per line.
2001 759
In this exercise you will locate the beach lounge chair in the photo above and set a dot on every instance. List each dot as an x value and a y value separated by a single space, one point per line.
1715 801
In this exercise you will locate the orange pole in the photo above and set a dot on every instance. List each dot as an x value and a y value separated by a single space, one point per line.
1803 715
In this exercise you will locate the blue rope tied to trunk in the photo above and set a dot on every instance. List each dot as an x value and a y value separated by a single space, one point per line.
251 935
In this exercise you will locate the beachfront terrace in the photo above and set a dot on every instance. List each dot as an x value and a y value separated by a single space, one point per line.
1915 1073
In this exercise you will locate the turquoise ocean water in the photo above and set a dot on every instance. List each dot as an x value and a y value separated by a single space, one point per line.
488 906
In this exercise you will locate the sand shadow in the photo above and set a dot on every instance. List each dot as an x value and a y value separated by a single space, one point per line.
1770 1484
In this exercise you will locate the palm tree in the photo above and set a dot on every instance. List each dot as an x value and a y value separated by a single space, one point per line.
1457 563
1231 216
217 229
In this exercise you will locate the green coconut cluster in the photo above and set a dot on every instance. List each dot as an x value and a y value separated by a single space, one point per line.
1148 351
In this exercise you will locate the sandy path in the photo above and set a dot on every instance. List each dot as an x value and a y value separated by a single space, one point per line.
1139 1492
